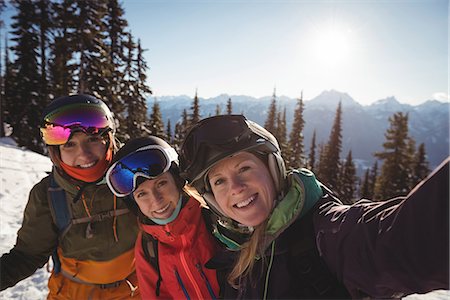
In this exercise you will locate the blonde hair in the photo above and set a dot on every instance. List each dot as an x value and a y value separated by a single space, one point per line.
192 192
249 252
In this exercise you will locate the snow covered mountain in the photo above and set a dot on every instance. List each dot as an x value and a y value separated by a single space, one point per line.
363 126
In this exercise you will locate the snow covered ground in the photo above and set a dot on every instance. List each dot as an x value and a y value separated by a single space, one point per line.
19 170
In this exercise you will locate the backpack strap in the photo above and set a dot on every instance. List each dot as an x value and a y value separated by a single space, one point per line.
61 215
101 216
58 205
150 248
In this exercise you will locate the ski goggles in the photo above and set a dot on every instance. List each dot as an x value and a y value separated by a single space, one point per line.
148 162
60 124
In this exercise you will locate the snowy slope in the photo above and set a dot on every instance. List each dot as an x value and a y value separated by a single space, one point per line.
19 171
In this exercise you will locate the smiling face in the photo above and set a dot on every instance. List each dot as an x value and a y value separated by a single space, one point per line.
83 151
243 188
157 198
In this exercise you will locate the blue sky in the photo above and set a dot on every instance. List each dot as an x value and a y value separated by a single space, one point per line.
369 49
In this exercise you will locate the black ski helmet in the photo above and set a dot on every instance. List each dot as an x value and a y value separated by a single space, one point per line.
135 144
218 137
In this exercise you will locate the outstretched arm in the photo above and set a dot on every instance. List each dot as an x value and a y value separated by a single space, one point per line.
390 248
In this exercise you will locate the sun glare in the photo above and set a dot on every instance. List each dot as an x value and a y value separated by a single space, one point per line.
332 47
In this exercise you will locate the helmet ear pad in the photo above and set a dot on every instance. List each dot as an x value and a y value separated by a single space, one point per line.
277 169
175 171
212 203
132 205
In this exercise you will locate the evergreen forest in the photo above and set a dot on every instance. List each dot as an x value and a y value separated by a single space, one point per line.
64 47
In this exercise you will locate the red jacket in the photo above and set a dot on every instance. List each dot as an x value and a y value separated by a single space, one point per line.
183 247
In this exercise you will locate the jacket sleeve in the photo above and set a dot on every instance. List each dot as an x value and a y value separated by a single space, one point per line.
391 248
35 241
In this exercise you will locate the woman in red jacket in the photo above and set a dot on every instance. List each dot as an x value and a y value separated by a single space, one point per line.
174 243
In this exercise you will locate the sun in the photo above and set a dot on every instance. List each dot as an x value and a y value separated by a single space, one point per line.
332 46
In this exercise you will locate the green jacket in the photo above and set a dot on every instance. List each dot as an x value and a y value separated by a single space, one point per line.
39 236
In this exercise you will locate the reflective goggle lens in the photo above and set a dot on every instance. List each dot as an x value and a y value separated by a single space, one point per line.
58 125
147 162
59 135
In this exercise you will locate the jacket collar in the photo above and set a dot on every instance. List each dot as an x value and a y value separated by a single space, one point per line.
73 186
304 191
185 224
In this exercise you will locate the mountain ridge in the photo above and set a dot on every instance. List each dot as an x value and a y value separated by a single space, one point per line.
363 125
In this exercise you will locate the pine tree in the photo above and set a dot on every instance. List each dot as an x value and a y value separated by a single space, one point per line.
281 134
156 125
373 180
320 163
330 163
62 62
271 115
136 124
44 23
141 88
229 107
126 129
364 191
177 139
420 165
368 185
117 44
296 157
25 104
2 85
194 116
181 129
312 153
218 109
65 47
169 136
94 63
347 180
9 89
395 176
137 90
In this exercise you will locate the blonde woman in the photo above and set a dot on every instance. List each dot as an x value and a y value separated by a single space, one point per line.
301 242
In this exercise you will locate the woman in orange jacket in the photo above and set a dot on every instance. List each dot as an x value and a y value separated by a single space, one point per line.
91 237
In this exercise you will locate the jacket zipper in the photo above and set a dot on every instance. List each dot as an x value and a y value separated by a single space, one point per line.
187 270
208 285
180 282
